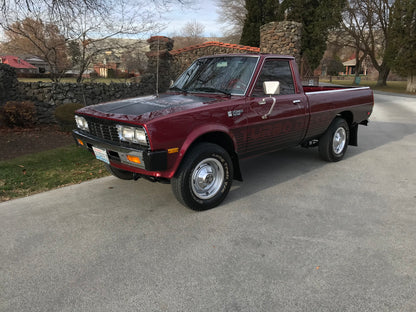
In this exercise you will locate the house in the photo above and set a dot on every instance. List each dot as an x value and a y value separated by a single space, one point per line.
350 67
20 65
109 65
41 65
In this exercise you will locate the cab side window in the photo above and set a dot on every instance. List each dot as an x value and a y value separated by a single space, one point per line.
275 70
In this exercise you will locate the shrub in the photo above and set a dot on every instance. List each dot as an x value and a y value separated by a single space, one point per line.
18 114
64 115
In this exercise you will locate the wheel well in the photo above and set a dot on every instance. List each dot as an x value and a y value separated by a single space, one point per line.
223 140
348 116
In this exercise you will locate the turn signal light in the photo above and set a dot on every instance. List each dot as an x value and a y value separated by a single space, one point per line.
133 159
80 142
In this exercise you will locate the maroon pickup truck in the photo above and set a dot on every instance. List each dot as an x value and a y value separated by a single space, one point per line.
221 109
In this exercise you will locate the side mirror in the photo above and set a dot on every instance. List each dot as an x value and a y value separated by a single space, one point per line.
271 87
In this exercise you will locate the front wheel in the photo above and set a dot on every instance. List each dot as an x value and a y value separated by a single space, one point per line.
204 178
334 142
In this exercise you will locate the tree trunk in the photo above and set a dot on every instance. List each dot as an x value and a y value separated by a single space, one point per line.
383 73
79 77
411 83
357 65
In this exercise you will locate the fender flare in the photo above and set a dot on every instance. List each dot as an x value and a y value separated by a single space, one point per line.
195 135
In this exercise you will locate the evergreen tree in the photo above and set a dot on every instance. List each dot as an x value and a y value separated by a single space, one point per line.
318 17
402 56
259 12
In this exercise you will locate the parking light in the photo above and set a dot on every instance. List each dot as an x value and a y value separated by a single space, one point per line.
133 159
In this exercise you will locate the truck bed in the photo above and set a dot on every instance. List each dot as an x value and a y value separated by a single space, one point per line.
324 88
326 102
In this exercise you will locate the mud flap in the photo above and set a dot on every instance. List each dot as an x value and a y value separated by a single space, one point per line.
353 135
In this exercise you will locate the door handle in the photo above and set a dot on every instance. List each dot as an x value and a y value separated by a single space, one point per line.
296 101
263 101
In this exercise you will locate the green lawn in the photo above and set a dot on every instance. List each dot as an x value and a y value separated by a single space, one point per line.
47 170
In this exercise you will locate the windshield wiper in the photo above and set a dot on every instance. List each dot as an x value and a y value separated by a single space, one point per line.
175 88
209 89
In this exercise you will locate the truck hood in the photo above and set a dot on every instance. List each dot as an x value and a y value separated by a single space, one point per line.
142 109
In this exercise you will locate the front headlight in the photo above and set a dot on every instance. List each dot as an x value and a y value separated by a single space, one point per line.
132 134
126 134
81 123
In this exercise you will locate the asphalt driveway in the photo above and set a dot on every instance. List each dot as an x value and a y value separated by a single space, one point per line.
298 234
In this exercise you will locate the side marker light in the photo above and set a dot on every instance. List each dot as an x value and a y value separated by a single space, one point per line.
173 150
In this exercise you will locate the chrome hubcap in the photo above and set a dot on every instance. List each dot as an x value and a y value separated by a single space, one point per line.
207 178
339 140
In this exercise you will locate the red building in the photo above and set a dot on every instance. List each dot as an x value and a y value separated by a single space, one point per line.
20 65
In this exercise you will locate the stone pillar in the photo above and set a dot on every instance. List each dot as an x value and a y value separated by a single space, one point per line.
281 38
159 62
8 84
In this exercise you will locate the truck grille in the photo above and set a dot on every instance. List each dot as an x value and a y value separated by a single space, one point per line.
106 130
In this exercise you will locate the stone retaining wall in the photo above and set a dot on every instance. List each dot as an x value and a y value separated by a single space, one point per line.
48 96
8 83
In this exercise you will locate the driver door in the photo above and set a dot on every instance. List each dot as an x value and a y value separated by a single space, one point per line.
275 127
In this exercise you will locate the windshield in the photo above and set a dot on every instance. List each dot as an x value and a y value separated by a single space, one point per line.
226 74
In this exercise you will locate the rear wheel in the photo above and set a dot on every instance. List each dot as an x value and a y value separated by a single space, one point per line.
334 142
204 178
121 174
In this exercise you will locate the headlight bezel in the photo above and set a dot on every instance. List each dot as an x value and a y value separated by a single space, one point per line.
81 123
132 134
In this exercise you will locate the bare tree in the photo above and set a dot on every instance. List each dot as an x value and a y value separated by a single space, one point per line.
91 31
88 24
368 22
61 7
352 34
190 34
33 36
134 60
193 32
232 14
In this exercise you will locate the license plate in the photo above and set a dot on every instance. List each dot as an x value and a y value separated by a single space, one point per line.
101 154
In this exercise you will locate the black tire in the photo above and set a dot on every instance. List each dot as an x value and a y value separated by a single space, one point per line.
121 174
334 142
204 177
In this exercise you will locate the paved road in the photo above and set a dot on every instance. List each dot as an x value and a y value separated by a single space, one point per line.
298 235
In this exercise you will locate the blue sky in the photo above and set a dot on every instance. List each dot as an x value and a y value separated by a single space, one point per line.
204 12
